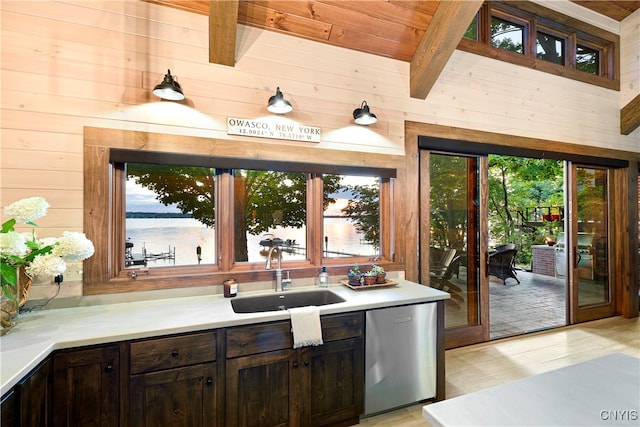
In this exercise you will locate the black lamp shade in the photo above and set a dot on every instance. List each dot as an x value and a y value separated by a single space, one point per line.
363 116
279 105
169 89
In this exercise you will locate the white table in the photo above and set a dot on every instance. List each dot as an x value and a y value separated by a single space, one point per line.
600 392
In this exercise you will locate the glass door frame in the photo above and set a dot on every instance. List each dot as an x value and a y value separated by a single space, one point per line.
577 313
478 309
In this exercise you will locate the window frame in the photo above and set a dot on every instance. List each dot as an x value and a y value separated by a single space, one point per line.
554 23
104 202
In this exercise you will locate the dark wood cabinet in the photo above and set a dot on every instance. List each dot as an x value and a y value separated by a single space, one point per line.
240 376
86 384
173 381
9 409
35 397
28 403
270 384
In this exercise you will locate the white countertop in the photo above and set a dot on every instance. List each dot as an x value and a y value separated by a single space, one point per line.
37 334
601 392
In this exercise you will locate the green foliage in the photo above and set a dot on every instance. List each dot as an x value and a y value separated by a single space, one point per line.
190 188
516 183
500 28
355 270
363 210
449 216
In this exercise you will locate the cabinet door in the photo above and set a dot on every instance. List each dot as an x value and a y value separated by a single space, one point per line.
86 387
174 397
8 411
336 382
34 393
259 390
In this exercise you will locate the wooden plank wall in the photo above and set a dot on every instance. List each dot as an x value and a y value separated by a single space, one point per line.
630 61
70 64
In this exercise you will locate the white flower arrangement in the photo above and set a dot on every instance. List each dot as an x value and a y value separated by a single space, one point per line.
46 256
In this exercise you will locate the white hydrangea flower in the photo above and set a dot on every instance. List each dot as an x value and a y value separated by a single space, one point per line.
47 241
48 265
73 246
28 209
13 244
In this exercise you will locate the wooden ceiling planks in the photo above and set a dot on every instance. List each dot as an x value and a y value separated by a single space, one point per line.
391 28
618 10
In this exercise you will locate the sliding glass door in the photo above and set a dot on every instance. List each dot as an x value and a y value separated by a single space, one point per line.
588 257
450 241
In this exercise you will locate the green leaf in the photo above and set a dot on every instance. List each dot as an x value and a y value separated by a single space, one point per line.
9 274
8 226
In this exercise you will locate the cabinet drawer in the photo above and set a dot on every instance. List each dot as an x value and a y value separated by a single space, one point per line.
263 337
172 352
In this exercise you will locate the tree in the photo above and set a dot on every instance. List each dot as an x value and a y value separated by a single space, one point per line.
363 210
449 193
516 183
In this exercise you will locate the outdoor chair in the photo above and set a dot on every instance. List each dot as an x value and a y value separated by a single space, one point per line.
501 265
505 247
441 279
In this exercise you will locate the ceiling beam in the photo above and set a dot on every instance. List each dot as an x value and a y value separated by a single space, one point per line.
449 23
223 24
630 116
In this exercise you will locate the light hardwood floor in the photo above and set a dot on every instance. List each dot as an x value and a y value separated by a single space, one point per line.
480 366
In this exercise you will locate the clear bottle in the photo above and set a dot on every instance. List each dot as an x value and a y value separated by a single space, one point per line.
323 278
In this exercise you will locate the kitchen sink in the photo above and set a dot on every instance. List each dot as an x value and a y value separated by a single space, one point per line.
284 300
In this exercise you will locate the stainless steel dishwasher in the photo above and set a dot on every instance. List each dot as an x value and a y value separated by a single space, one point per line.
400 356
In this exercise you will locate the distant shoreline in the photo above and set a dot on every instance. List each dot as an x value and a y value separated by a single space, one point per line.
157 215
187 215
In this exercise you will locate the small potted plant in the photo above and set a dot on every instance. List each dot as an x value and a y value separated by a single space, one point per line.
381 275
355 276
370 277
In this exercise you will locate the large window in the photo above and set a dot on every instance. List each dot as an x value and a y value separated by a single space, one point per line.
531 35
163 219
169 214
351 221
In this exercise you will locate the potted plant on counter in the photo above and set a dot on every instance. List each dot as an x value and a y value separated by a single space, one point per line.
370 277
381 275
355 276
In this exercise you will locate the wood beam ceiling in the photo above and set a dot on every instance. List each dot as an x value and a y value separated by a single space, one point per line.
630 116
443 34
223 18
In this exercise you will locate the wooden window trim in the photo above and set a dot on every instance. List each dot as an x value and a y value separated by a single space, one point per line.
555 22
104 201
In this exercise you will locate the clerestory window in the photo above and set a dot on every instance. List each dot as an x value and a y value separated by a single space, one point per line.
531 35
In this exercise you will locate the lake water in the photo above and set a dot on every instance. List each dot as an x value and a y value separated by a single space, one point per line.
181 236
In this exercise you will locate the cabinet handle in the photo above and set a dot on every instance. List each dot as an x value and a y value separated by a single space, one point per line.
108 368
295 364
175 353
307 363
209 381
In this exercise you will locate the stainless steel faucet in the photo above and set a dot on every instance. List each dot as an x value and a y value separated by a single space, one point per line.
267 265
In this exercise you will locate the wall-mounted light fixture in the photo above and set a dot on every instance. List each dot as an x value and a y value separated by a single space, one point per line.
363 116
279 105
169 89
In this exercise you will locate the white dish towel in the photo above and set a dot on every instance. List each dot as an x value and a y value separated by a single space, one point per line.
305 326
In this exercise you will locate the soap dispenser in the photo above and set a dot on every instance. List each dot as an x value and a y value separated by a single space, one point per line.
323 278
